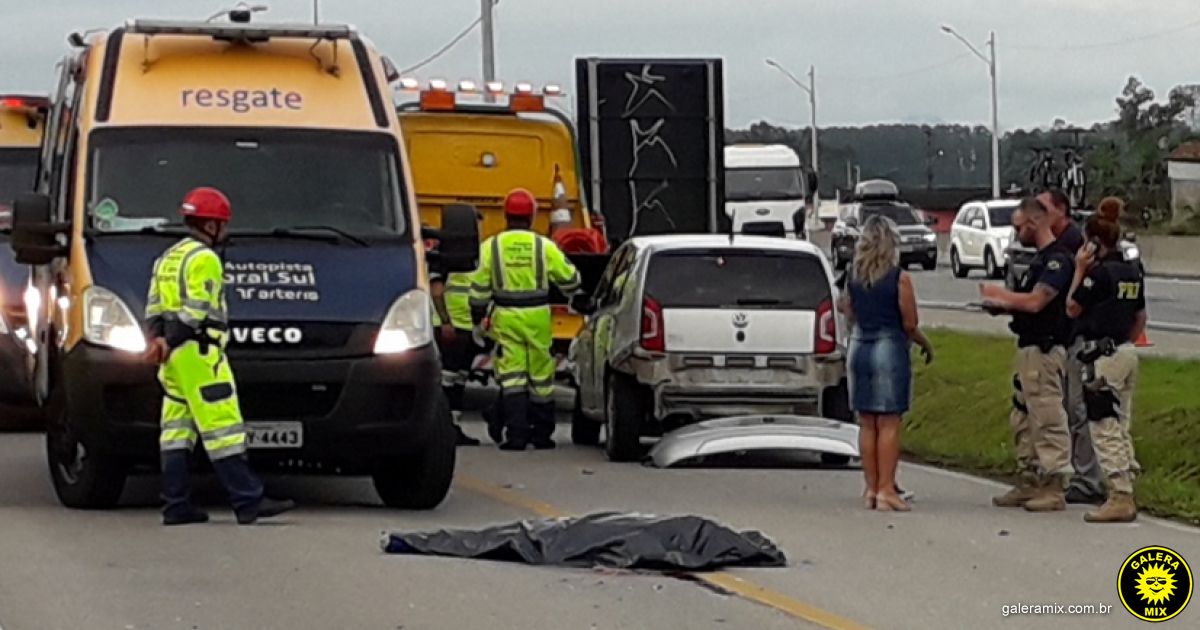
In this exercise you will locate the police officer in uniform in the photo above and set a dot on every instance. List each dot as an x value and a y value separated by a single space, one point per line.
516 268
1087 484
1039 417
1109 301
187 317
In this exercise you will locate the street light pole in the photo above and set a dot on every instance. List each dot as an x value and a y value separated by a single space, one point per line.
488 29
811 89
316 11
990 60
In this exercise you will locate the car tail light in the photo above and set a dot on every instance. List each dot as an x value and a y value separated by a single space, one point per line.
653 336
826 332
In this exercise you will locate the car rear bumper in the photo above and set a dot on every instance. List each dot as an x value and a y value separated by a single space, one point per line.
712 392
353 410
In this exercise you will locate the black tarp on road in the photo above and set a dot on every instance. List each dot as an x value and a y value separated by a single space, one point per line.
627 541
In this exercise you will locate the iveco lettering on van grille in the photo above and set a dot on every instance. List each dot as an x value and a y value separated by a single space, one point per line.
243 101
276 281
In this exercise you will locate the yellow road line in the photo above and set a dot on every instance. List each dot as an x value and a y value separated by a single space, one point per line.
720 579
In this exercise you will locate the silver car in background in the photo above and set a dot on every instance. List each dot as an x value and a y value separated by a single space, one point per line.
690 327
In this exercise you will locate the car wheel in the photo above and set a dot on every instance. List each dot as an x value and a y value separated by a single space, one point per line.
84 477
625 411
421 480
956 267
833 459
838 263
584 430
990 266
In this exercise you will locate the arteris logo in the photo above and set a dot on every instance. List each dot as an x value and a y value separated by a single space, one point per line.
1155 584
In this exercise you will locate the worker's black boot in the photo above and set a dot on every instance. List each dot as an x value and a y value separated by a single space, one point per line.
514 408
244 487
541 417
494 417
266 509
177 490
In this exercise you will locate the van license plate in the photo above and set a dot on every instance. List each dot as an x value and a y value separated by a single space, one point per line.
274 434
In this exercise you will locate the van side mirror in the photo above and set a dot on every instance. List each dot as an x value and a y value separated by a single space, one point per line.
35 239
458 239
977 224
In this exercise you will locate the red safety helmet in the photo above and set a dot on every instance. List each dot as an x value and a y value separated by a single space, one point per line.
206 203
520 203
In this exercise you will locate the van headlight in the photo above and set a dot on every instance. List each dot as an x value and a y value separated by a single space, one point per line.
107 321
3 324
407 324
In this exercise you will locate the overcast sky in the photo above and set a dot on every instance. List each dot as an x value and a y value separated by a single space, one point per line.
877 60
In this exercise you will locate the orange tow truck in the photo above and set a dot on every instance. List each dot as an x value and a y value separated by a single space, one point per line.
467 151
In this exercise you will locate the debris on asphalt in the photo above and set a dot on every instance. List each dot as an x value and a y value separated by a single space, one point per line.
627 541
587 471
1003 532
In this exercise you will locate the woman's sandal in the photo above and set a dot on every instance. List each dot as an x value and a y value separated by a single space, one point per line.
885 503
869 500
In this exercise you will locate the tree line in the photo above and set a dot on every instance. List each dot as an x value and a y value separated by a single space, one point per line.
1125 156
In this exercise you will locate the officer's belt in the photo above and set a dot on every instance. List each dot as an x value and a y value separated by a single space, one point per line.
1045 345
521 299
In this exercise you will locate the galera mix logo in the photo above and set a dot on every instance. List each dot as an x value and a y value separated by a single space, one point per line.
1155 584
741 321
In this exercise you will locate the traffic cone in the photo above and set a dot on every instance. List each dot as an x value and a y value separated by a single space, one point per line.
1143 341
560 213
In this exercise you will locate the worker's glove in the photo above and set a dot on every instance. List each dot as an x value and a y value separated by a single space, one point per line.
479 335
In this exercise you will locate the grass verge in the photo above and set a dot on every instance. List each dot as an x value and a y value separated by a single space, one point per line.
960 419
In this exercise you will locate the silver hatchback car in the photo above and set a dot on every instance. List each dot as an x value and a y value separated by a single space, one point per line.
692 327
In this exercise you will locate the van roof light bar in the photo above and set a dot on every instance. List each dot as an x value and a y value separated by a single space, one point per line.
240 31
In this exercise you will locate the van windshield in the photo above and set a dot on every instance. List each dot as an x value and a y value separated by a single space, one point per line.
737 278
275 179
763 184
17 170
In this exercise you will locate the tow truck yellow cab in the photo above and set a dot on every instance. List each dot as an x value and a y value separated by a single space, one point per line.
467 152
325 269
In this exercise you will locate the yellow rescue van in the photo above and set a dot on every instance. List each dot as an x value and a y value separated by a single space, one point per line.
22 119
330 338
466 151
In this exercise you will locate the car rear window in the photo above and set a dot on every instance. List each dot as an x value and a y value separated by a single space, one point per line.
737 278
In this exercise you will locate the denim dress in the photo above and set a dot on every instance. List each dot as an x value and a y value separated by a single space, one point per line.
880 369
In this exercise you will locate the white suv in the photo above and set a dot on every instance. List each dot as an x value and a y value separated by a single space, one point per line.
690 327
980 238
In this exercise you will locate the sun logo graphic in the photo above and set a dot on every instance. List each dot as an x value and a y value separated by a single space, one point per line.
1155 584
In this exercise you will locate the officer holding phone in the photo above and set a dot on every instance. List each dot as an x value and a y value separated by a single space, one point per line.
1108 300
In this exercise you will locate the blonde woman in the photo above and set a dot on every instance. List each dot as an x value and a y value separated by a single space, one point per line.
880 299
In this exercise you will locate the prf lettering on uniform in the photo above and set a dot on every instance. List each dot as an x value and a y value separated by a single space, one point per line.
1128 290
243 101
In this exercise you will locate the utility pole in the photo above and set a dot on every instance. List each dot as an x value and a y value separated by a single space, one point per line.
488 29
316 12
990 60
812 101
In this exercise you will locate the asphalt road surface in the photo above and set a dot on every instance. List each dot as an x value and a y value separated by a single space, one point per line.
953 562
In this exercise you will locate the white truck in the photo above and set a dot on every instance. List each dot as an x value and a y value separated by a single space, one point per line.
765 190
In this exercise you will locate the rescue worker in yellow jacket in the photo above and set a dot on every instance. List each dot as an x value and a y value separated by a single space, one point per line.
188 323
516 268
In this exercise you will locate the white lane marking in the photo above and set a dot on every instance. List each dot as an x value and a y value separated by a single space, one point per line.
1000 486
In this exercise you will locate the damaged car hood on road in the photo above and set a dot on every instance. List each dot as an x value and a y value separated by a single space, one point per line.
756 433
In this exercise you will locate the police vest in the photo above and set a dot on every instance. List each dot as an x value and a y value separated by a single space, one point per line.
1051 326
188 285
1119 294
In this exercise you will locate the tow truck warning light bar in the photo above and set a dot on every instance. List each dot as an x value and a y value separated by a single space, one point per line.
21 101
437 95
238 31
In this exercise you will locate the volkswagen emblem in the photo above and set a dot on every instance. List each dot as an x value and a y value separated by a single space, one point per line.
740 321
762 212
